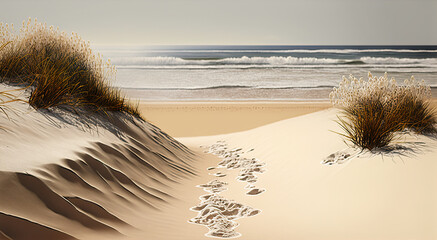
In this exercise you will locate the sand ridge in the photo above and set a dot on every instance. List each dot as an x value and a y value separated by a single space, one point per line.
63 180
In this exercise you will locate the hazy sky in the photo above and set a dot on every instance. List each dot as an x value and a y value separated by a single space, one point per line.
292 22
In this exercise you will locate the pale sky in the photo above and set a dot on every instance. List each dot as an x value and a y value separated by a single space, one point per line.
235 22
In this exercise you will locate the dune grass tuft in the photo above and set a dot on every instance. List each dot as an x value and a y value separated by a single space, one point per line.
6 98
60 68
374 111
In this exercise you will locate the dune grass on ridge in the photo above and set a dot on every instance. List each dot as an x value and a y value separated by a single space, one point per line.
374 111
60 68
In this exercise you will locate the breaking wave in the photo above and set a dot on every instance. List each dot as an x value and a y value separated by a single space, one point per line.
267 61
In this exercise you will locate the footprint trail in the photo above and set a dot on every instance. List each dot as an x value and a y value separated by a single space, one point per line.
217 213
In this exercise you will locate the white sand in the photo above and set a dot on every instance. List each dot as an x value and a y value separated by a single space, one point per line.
60 179
369 197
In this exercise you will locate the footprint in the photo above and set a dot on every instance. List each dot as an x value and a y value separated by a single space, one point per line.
219 174
214 186
340 157
255 191
218 214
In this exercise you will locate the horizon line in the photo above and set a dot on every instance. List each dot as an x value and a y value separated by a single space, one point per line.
279 45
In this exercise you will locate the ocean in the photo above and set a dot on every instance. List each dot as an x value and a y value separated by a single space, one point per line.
259 72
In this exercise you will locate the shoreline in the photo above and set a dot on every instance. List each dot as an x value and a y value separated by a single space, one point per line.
236 94
229 94
234 102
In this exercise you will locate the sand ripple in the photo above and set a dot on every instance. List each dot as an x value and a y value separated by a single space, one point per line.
93 187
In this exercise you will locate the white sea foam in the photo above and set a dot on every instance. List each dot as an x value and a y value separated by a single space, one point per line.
175 61
392 60
276 61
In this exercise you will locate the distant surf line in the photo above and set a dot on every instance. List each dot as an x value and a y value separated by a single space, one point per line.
272 60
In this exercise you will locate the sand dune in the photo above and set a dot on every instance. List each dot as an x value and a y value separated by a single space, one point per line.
63 178
371 196
67 176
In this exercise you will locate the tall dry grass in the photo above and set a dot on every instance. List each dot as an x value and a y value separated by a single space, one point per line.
60 68
373 111
7 96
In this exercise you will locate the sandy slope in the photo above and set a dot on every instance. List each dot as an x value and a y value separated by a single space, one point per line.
66 176
370 197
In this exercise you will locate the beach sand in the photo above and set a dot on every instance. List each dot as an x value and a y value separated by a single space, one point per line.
259 177
295 196
367 197
183 119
